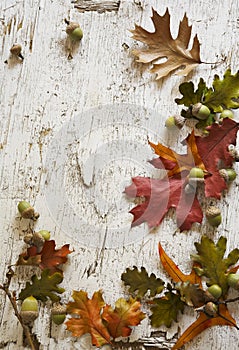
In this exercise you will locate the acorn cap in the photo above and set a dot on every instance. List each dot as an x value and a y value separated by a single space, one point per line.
28 316
37 239
71 27
212 211
58 309
16 49
179 121
28 238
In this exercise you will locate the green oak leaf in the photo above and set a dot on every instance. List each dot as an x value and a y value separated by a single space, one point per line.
165 309
224 94
191 294
43 288
191 97
212 263
141 282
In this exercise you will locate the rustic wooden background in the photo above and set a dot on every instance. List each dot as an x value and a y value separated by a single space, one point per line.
74 131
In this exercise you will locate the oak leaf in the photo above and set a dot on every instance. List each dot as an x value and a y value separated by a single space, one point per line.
162 45
208 153
101 321
224 93
44 287
212 263
140 282
125 315
88 317
165 309
48 258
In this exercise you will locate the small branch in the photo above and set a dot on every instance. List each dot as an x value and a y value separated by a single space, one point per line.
225 302
12 298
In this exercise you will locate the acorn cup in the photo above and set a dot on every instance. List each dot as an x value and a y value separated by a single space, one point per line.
213 215
58 314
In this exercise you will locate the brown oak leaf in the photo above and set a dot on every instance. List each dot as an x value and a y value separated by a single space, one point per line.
162 45
48 258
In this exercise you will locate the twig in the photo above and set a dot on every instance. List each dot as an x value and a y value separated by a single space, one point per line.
11 297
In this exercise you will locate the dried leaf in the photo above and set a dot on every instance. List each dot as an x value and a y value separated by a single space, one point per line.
212 263
48 258
174 272
213 150
43 288
125 315
203 322
141 282
162 45
192 294
165 309
101 321
176 163
88 317
160 196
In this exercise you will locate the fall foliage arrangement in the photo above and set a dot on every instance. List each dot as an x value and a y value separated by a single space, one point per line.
206 169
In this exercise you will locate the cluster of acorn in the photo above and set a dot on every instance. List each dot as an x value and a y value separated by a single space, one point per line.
196 176
198 111
73 30
214 292
29 308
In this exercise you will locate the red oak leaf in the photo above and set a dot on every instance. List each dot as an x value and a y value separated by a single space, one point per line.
213 150
160 196
48 258
208 153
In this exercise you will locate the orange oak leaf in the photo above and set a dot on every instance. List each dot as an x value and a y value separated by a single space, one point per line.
48 258
203 322
88 317
125 315
174 272
176 163
162 45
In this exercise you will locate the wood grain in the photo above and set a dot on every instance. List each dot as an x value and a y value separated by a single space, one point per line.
41 96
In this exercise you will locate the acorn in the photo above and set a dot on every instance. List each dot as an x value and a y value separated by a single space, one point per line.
196 175
227 113
29 310
228 174
16 51
45 234
58 313
37 239
200 111
74 31
213 215
175 121
210 309
215 290
26 210
233 280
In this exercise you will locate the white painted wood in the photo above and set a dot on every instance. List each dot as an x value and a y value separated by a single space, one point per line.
40 97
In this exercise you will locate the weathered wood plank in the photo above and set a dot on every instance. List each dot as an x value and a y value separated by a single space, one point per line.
42 95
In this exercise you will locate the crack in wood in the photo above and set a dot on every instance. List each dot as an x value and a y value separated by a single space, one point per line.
96 5
157 341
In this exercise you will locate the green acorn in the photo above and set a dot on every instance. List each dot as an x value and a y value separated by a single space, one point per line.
200 111
74 31
175 121
233 280
27 211
227 113
29 310
45 234
58 314
214 216
228 174
215 290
